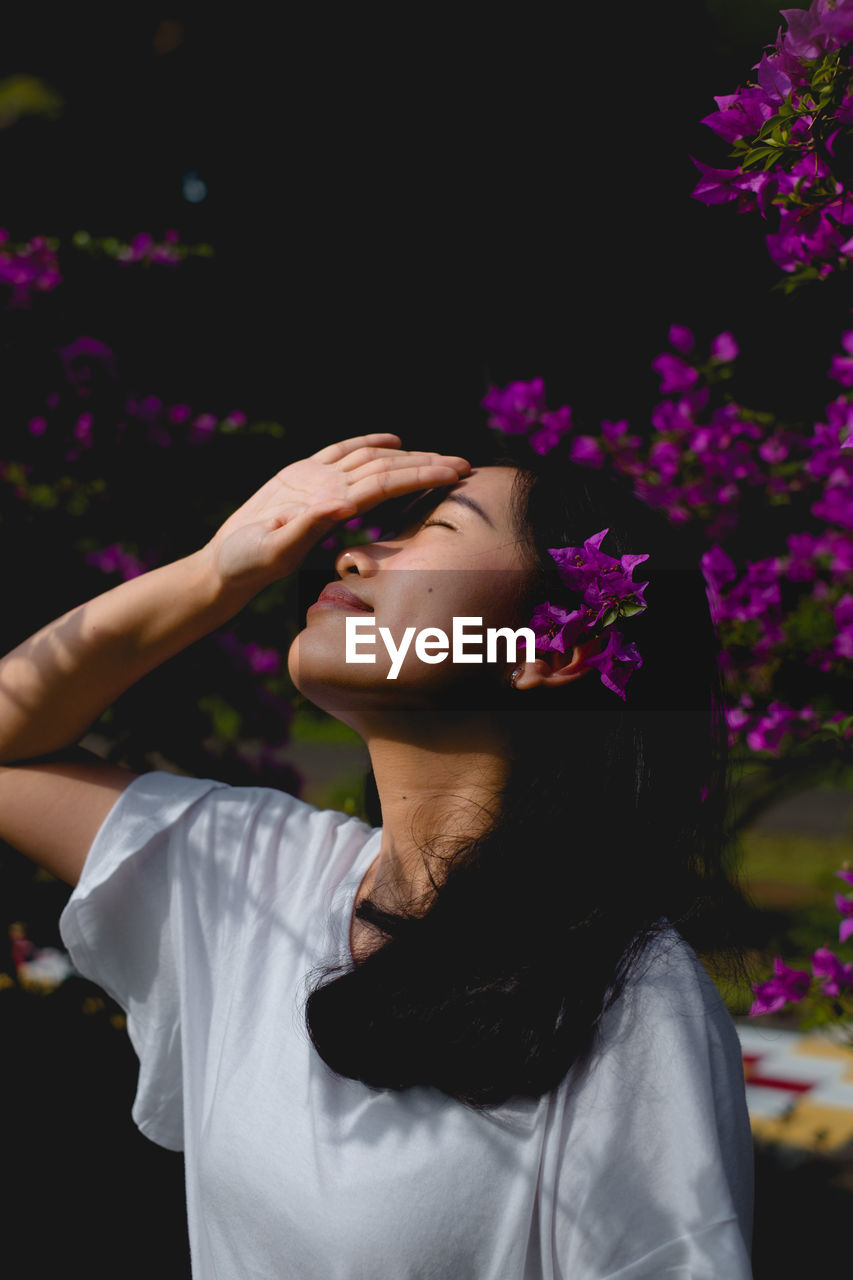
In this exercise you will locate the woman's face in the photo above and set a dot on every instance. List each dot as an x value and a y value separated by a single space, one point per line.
458 556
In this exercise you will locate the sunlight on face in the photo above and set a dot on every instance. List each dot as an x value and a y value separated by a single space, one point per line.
459 557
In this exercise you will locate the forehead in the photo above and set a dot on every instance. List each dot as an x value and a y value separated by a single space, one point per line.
491 487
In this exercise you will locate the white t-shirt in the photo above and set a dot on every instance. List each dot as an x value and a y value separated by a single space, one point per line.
202 908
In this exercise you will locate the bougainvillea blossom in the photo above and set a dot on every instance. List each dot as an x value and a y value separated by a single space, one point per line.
787 986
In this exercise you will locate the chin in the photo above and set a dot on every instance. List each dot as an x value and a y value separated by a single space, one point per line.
355 692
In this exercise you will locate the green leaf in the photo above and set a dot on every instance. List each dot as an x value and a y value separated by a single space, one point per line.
759 154
224 718
609 617
274 429
41 495
78 503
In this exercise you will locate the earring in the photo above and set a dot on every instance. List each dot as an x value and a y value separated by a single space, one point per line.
514 677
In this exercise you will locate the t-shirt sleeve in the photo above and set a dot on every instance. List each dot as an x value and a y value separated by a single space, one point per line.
178 869
651 1165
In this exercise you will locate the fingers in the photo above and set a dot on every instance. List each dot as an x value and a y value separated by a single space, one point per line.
334 452
368 462
370 490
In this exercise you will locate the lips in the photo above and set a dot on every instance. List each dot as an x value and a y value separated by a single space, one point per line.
337 596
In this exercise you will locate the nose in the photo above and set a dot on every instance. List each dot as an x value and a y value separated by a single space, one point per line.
355 559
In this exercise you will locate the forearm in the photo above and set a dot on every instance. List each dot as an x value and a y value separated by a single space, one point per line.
54 685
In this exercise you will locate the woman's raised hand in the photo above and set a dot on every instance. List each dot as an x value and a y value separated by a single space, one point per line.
269 535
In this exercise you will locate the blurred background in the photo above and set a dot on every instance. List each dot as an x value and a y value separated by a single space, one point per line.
388 212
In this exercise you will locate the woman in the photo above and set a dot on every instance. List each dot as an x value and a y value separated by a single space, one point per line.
470 1041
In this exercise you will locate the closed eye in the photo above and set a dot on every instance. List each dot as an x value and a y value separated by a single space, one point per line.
443 524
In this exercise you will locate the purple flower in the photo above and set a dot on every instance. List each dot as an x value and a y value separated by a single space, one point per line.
33 267
665 458
835 507
841 369
834 976
773 450
844 873
203 427
580 567
816 30
675 375
839 550
114 559
557 628
263 661
37 426
740 115
787 986
516 407
555 424
84 357
845 907
718 568
802 550
586 451
837 21
758 592
737 718
843 618
235 420
143 248
724 348
773 80
617 662
682 339
717 186
802 238
83 429
774 725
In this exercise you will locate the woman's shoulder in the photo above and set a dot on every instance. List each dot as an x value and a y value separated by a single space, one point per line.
669 981
248 833
669 1020
161 798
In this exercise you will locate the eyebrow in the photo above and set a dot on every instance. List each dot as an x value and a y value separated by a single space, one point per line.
469 502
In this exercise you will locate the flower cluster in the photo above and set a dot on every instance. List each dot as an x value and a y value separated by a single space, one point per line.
116 559
66 420
34 266
791 132
142 248
520 409
713 461
830 976
701 456
28 267
607 594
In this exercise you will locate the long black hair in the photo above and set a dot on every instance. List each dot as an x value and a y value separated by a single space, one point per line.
611 828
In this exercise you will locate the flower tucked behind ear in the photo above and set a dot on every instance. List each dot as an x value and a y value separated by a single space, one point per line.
617 662
609 593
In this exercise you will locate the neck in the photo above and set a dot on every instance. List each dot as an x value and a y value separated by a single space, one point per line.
443 785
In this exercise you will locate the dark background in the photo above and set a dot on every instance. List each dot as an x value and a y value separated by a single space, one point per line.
404 206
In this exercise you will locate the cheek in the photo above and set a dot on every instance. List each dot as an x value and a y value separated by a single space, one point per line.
318 655
432 598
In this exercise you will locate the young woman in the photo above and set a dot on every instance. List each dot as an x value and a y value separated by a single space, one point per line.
470 1041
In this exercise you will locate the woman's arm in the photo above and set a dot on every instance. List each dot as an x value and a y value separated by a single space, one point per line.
54 685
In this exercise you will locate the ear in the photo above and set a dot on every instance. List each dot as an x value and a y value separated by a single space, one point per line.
554 668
